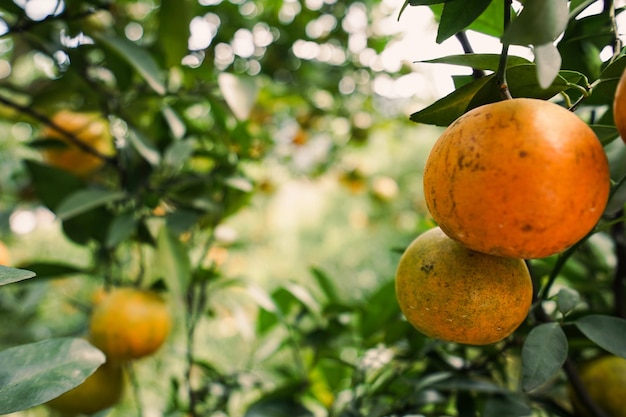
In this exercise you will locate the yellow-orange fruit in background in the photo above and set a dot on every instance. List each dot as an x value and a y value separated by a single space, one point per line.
523 178
5 255
604 379
452 293
129 323
619 106
101 390
89 128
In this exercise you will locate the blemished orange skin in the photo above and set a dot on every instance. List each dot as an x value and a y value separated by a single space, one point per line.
522 178
89 128
102 389
604 379
452 293
619 107
129 324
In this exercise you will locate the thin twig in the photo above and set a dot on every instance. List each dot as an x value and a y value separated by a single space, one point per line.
501 72
467 48
27 24
69 135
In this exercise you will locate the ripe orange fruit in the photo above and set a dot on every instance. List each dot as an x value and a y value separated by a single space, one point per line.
5 255
452 293
619 106
605 381
89 128
129 324
101 390
523 178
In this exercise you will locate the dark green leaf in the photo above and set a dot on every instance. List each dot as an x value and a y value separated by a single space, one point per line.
567 299
36 373
90 225
605 331
605 133
173 261
425 2
326 284
9 275
121 228
506 406
447 109
466 384
85 200
138 58
543 354
479 61
144 147
173 31
548 61
50 270
52 185
277 407
539 23
457 15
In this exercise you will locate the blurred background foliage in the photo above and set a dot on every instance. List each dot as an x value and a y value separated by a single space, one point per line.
260 171
266 179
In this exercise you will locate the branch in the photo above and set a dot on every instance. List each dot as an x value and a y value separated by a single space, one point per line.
609 5
467 48
69 135
25 25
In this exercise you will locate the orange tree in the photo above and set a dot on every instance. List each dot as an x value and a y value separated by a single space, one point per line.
188 115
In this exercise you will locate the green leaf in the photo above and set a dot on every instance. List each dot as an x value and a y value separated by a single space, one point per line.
488 62
84 200
138 58
326 285
425 2
144 147
548 61
51 270
539 22
175 122
447 109
522 83
605 331
605 133
457 15
9 275
240 93
52 185
173 33
173 261
567 299
35 373
490 22
506 406
121 228
543 354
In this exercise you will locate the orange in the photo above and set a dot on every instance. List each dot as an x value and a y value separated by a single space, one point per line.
619 106
101 390
604 379
129 323
89 128
452 293
5 255
523 178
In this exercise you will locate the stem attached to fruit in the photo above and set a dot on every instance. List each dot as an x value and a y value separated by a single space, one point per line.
501 72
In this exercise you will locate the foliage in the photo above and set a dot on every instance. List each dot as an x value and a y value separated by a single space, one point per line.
202 98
